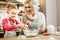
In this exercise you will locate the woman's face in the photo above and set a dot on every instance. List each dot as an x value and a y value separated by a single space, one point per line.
12 13
28 7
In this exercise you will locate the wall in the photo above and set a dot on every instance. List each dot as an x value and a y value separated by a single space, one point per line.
58 12
43 6
51 12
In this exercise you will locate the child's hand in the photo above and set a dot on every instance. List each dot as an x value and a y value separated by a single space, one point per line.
26 26
22 26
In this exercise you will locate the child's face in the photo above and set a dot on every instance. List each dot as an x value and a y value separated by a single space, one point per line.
12 13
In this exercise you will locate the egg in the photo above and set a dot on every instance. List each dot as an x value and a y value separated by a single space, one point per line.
52 38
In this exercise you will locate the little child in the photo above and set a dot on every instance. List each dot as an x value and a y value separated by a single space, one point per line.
10 24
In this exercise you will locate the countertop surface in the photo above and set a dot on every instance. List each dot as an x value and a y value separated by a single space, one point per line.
38 37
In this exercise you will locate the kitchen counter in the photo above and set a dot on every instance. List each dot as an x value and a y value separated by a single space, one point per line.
38 37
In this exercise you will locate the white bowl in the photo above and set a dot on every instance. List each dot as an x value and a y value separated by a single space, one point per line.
32 32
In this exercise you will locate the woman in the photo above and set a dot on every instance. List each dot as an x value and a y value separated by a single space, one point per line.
33 19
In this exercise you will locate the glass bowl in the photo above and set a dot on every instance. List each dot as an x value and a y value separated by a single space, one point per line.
31 32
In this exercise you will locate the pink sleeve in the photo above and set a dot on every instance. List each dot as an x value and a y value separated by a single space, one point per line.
6 26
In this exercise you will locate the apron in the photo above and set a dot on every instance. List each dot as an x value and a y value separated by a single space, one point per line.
10 33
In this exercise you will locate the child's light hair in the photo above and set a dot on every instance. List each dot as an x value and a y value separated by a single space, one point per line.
10 6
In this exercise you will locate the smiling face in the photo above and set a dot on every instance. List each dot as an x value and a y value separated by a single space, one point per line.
28 7
12 13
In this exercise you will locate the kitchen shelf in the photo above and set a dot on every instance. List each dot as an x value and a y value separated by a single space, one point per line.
3 2
15 3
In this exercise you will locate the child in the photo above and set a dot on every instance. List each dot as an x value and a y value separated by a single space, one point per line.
10 24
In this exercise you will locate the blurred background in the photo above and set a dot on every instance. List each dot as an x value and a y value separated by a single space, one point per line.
50 8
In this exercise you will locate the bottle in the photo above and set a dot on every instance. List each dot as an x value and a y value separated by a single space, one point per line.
52 38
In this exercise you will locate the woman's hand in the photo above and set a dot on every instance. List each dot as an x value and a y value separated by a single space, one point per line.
42 29
28 22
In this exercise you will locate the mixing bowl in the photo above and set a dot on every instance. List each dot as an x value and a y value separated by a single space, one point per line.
31 32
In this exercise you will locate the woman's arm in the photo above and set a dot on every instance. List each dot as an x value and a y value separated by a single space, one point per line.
42 22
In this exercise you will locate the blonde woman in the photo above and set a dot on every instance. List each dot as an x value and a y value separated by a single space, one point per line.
34 20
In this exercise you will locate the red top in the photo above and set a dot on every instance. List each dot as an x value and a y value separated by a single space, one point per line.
5 25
